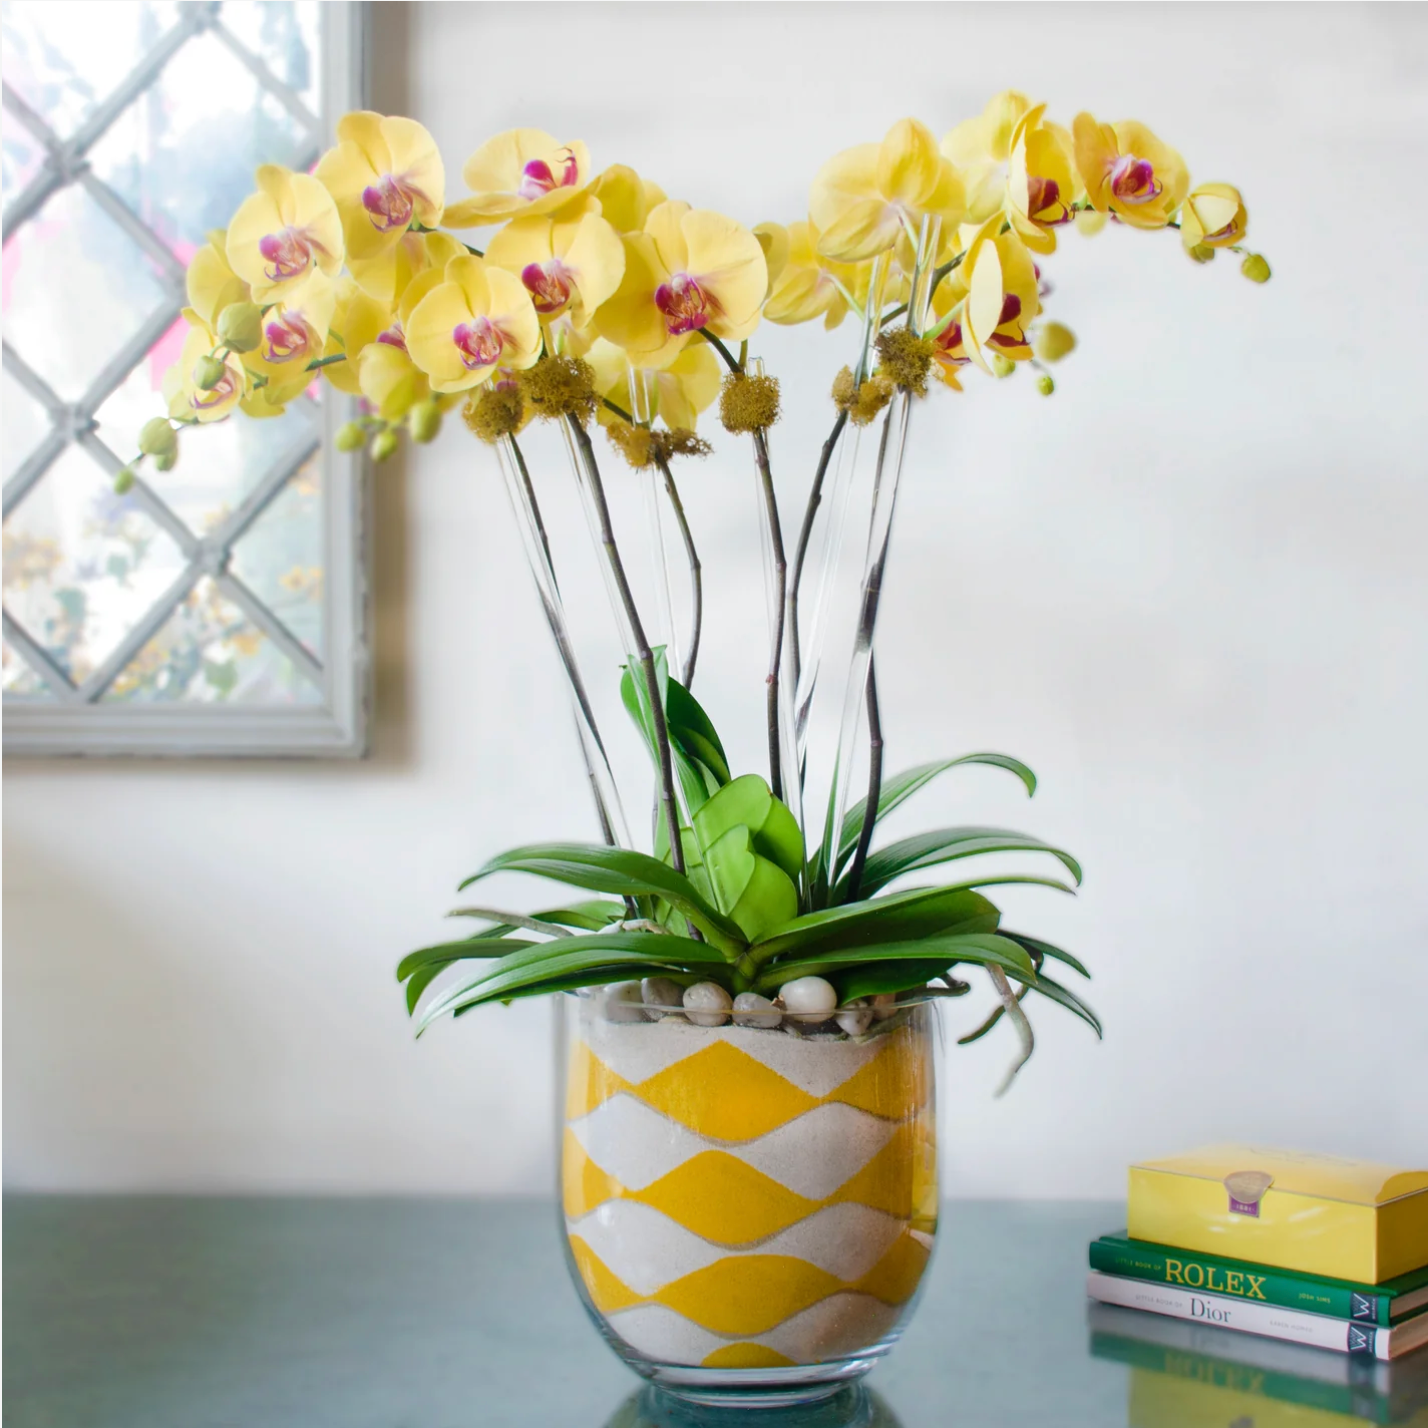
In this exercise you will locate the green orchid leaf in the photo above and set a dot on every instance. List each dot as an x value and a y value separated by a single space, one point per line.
605 957
487 944
596 978
919 912
1062 996
937 953
621 872
1047 949
943 845
747 800
693 730
756 893
898 789
522 920
697 754
894 976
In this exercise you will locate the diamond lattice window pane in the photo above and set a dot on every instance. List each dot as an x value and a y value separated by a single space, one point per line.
209 652
21 155
17 679
25 421
280 559
83 566
286 37
77 288
219 464
65 59
183 155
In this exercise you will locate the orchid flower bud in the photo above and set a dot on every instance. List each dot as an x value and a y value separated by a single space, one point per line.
240 326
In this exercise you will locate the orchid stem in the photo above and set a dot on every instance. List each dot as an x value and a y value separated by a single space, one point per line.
780 569
815 499
730 361
696 572
875 786
643 653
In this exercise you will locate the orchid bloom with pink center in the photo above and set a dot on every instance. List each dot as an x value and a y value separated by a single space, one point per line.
569 262
477 319
1128 172
522 173
285 235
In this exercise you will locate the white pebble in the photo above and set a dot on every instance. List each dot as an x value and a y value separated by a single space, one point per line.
620 1002
856 1016
707 1004
809 999
661 992
884 1005
750 1009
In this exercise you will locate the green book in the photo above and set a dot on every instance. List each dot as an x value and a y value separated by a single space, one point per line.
1382 1304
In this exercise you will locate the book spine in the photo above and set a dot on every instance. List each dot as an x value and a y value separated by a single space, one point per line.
1251 1318
1254 1283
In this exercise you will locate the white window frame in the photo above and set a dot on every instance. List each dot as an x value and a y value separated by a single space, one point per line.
74 722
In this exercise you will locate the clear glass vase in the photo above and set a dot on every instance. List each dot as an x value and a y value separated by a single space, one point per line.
748 1212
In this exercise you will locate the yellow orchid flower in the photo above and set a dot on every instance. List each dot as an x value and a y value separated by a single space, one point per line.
677 393
1129 172
864 198
1042 181
390 381
981 149
520 173
1002 295
626 199
811 286
476 319
294 334
1214 214
284 233
568 262
384 175
211 283
773 239
690 270
187 401
950 348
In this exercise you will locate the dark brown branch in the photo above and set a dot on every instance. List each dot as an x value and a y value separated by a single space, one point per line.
643 653
875 786
696 572
780 563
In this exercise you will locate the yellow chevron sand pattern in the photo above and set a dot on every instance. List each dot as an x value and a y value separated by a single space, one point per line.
737 1198
753 1293
722 1198
723 1092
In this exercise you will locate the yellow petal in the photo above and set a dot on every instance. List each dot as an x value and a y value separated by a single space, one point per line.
429 338
728 262
665 226
212 285
909 165
867 228
391 381
510 308
596 259
846 179
773 239
629 317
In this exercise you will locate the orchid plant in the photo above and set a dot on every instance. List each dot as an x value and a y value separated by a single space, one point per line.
599 302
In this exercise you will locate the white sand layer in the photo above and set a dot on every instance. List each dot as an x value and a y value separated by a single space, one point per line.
812 1155
646 1250
836 1327
638 1050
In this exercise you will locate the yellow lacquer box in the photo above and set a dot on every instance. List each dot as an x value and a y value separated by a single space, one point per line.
1317 1214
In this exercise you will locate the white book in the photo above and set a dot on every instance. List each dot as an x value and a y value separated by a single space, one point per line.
1253 1318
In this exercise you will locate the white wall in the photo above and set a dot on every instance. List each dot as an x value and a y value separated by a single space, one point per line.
1189 590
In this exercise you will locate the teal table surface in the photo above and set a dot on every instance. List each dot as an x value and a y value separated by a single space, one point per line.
227 1313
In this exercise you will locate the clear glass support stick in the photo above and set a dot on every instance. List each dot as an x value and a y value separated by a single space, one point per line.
666 632
892 448
831 546
515 478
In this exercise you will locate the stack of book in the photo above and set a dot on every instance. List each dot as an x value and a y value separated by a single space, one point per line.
1313 1249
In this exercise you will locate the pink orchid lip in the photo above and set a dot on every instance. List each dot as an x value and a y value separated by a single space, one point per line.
1043 201
1133 180
288 251
537 179
548 284
479 342
390 202
948 340
286 338
685 305
393 337
1011 310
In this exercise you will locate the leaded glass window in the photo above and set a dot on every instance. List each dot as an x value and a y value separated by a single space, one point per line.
218 607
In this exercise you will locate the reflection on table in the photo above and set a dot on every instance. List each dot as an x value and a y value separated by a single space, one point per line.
1193 1376
855 1406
